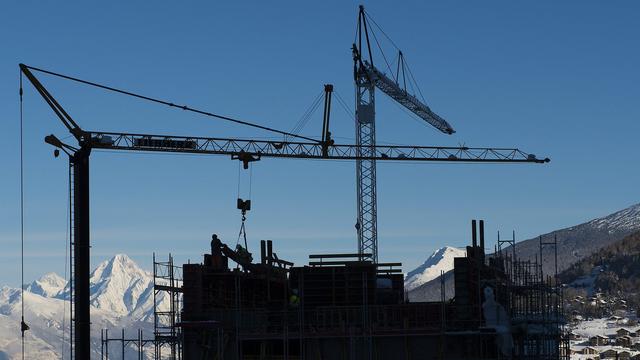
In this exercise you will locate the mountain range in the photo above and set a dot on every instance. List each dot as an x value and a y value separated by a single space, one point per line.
121 297
574 244
578 242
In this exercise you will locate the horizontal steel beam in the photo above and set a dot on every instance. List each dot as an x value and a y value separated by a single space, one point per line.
244 149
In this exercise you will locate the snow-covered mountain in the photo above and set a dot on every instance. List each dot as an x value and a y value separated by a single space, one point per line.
627 219
440 260
577 242
120 286
49 285
44 316
574 243
121 297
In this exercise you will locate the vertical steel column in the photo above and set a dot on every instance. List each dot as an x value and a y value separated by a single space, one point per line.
101 344
367 225
172 308
140 344
81 243
71 240
106 344
123 344
156 348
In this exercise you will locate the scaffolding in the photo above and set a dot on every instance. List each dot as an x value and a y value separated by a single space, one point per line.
342 307
336 307
167 305
137 345
167 284
535 302
349 308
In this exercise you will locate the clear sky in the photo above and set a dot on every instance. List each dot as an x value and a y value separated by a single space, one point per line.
559 79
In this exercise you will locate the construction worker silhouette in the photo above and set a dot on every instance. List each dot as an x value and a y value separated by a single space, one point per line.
294 300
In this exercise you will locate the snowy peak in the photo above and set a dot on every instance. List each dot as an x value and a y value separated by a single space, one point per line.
49 285
440 260
119 266
121 286
626 219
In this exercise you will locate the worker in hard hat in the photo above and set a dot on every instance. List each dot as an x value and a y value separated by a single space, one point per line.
294 300
216 245
244 254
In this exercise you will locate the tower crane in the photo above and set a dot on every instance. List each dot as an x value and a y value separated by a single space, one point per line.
365 152
367 78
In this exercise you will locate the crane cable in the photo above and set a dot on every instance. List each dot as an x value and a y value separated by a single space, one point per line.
343 103
23 325
169 104
381 51
306 116
404 63
242 234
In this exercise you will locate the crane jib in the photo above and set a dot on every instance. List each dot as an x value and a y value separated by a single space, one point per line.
402 97
282 149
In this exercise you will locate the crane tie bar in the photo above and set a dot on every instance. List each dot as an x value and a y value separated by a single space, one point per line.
170 104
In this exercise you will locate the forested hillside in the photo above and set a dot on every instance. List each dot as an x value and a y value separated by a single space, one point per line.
614 270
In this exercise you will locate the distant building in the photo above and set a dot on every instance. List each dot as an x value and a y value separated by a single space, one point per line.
624 341
609 354
588 350
624 355
598 340
623 332
615 318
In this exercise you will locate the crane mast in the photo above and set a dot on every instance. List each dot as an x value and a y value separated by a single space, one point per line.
367 77
367 222
366 187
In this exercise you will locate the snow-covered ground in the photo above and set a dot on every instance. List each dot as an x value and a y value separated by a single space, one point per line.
587 282
601 327
121 297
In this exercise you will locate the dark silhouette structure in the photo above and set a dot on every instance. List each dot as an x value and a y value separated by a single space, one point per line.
341 307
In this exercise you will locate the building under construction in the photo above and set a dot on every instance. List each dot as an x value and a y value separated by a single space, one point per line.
339 306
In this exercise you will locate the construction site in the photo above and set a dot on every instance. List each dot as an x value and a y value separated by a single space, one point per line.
338 305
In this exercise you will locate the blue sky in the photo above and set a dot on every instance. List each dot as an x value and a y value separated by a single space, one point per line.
559 79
